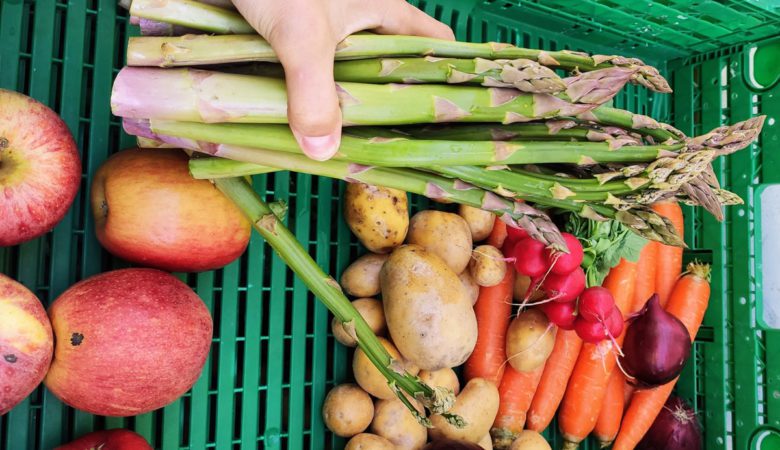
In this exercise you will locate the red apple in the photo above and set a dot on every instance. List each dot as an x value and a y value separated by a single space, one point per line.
150 211
117 439
127 342
26 343
40 170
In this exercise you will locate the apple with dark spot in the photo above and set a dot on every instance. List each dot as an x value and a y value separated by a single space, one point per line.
150 211
127 342
26 343
40 169
116 439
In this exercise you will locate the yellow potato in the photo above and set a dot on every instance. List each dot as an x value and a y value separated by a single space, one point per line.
522 283
347 410
529 340
445 234
445 378
480 222
378 216
368 441
487 265
372 311
429 316
361 278
486 442
394 422
530 440
471 286
370 379
477 404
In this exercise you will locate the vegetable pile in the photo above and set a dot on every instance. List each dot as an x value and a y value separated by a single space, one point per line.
525 142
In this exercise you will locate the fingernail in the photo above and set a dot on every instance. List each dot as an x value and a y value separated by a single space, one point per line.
320 148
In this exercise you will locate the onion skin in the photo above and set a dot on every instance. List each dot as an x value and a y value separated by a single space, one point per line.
675 428
451 444
656 346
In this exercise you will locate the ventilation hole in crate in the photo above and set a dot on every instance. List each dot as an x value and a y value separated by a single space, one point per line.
238 402
239 361
242 298
212 415
263 362
186 410
214 369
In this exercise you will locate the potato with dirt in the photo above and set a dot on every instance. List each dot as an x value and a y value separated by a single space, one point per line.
529 340
347 410
530 440
429 316
372 312
487 265
378 216
445 234
361 278
471 286
480 222
370 378
368 441
394 422
445 378
477 405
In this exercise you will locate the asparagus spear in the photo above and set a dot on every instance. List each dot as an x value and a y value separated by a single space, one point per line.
154 28
641 220
192 14
210 50
266 222
205 96
403 152
551 129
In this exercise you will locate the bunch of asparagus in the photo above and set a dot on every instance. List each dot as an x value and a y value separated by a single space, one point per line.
487 125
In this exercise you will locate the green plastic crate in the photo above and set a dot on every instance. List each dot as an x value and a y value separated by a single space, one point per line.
722 62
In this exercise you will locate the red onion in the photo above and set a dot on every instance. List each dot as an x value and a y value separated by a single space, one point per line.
675 428
656 346
451 444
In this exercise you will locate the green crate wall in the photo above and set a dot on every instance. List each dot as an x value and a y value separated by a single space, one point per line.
65 53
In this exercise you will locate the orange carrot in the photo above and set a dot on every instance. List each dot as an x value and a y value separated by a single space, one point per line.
646 270
669 258
556 374
515 394
608 423
688 302
588 383
493 310
497 234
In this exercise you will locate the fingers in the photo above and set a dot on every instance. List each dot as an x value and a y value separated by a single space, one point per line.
302 38
402 18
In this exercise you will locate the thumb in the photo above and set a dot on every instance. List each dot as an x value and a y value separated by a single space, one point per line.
312 104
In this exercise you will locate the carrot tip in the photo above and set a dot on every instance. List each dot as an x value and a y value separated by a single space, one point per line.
569 445
699 269
605 444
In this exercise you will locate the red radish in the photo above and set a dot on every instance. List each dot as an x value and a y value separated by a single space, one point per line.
516 233
562 314
614 322
592 332
563 263
530 257
565 288
596 304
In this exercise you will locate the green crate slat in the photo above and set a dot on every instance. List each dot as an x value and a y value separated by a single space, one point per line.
228 313
300 305
325 219
200 416
717 316
742 279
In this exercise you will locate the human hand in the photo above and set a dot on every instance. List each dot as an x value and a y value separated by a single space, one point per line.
304 34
